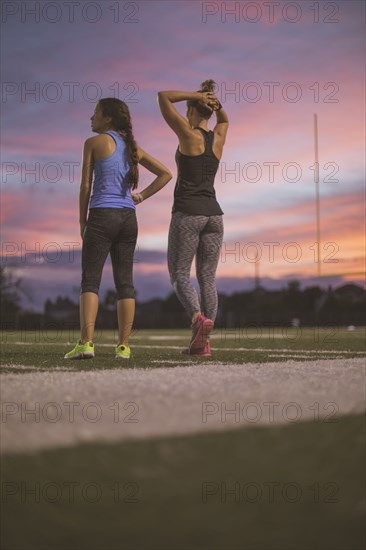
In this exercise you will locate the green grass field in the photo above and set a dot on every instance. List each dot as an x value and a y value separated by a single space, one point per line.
292 488
161 348
280 487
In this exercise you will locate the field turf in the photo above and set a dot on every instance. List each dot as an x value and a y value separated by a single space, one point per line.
44 350
279 487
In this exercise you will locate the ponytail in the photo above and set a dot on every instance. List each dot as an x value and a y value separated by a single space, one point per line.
208 86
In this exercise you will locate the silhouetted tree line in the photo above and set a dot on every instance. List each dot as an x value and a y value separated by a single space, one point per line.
312 306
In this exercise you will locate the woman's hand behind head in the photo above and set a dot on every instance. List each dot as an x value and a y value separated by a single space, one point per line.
208 100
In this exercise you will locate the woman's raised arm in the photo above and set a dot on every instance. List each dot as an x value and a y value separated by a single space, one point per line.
175 120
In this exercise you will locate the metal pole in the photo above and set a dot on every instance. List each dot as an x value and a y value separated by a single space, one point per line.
316 175
256 275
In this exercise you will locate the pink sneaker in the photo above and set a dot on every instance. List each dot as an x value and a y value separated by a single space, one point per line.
200 332
206 352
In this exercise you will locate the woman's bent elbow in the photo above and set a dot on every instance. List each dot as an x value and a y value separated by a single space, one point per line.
166 175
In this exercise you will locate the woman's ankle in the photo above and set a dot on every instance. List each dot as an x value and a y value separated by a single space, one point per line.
195 317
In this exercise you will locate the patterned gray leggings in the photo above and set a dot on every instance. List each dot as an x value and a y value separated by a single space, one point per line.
191 236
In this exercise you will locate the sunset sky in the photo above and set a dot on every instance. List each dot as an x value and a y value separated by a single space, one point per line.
275 65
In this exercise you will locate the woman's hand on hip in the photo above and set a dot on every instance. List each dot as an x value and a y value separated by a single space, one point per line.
137 198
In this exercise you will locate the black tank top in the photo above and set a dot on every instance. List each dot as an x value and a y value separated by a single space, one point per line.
194 191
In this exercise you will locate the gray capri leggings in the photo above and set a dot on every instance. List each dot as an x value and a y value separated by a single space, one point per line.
191 236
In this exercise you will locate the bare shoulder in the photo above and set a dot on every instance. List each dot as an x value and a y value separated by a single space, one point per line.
91 142
99 139
100 146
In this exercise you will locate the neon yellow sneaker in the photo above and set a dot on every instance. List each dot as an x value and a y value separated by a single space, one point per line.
123 351
81 351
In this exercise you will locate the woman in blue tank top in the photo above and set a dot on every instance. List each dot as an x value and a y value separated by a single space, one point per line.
196 228
112 157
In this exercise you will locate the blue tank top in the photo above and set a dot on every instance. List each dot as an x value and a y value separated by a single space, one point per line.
110 187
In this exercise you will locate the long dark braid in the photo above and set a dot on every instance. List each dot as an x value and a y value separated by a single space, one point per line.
121 120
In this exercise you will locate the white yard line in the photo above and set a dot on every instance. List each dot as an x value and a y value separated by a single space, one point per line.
16 366
149 346
294 356
43 410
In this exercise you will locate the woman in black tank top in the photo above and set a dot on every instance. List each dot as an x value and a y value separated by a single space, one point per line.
196 229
